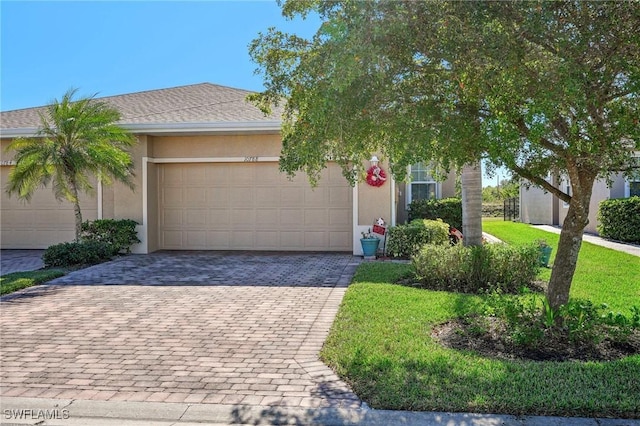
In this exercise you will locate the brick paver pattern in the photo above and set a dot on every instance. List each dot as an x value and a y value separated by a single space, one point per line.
251 343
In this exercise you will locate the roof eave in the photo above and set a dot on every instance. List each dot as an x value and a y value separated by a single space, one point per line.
172 128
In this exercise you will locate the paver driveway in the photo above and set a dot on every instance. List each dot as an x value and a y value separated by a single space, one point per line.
233 328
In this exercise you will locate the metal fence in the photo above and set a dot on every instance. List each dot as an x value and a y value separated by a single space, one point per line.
511 208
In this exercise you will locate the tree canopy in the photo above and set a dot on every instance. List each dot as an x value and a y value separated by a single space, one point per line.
537 87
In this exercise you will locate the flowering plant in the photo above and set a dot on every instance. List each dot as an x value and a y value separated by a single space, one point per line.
368 235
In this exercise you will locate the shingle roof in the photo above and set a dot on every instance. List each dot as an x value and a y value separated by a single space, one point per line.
197 103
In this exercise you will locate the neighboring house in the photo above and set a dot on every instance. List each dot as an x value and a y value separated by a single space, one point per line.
539 207
207 178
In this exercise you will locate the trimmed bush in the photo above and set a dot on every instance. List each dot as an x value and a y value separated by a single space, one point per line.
492 209
620 219
119 234
477 269
447 209
406 240
77 253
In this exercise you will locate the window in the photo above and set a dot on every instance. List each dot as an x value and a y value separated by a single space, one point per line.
422 186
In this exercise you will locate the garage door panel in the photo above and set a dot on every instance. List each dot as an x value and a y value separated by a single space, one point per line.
172 239
291 217
316 218
196 239
195 196
172 217
265 240
219 218
340 218
172 196
196 218
317 197
317 240
249 206
242 240
241 196
245 218
219 239
340 196
292 195
267 217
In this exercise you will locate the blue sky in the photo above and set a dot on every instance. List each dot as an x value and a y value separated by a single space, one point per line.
117 47
122 47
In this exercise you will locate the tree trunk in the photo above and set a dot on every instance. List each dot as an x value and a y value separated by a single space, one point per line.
76 210
472 204
569 247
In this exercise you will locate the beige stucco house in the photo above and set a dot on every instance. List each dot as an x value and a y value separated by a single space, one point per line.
207 178
540 207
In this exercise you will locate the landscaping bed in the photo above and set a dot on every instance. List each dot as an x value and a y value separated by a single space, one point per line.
396 346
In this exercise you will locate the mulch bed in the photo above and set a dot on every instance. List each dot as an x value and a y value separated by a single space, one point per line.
461 334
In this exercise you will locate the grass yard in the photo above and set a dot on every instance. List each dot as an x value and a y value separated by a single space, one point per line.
602 275
381 345
19 280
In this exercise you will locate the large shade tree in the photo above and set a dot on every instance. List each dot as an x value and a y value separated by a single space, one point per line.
77 142
538 87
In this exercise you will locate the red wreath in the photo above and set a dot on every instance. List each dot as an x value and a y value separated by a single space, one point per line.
376 176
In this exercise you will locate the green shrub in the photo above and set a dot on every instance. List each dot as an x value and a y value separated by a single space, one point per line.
477 269
406 240
492 209
620 219
120 234
77 253
447 209
529 321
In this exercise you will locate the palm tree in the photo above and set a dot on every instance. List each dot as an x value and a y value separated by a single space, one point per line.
472 204
76 140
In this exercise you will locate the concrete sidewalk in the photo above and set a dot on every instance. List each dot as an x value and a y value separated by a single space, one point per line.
32 411
594 239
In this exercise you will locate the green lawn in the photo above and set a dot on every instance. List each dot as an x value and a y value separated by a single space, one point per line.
602 275
19 280
380 343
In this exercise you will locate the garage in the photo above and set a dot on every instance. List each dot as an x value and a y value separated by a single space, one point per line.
39 223
251 206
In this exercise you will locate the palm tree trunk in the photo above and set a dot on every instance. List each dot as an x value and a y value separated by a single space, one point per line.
472 204
76 210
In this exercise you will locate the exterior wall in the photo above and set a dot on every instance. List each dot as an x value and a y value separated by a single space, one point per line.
42 221
618 186
448 188
536 206
216 146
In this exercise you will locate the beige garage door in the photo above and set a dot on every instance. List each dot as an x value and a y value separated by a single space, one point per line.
41 222
251 206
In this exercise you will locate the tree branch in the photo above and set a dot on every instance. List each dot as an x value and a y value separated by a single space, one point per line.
541 182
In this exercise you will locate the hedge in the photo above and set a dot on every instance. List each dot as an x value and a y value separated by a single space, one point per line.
447 209
120 234
620 219
407 240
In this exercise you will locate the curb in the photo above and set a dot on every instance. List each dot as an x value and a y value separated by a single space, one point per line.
37 411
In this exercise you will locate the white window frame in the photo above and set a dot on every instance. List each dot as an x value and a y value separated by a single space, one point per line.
628 180
409 197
